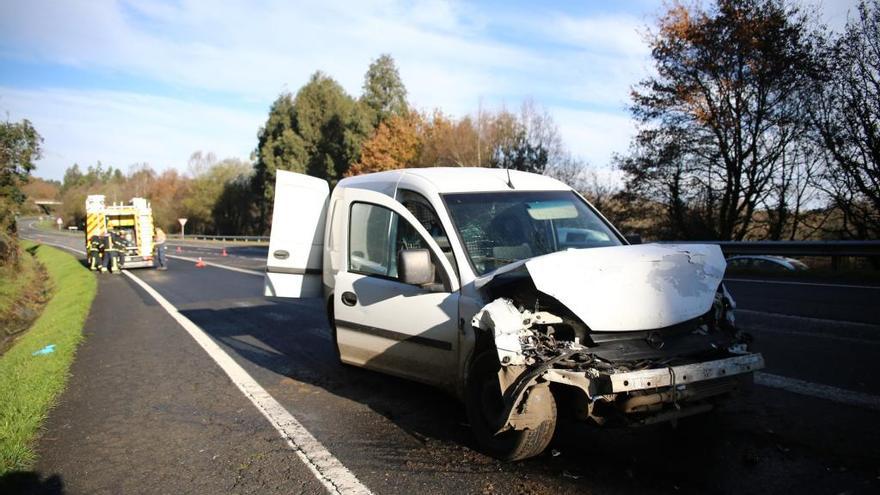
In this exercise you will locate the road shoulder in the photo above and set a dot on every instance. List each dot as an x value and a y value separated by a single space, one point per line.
147 411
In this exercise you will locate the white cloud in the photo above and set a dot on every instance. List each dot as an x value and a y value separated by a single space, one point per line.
247 52
253 49
595 136
120 129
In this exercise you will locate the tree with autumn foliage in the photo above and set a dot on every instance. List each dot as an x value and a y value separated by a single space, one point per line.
722 122
395 144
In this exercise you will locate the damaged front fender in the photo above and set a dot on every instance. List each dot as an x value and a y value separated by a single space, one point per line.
520 373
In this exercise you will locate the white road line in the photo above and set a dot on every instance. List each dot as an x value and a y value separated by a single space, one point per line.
326 468
827 392
809 319
813 284
794 333
218 265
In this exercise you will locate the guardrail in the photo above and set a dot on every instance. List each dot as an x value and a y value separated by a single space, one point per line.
228 238
833 249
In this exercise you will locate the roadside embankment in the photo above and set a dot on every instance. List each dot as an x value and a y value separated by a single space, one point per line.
34 370
24 290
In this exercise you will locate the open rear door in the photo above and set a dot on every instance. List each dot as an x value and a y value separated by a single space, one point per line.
296 243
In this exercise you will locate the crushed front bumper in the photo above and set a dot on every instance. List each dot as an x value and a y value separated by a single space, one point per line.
684 374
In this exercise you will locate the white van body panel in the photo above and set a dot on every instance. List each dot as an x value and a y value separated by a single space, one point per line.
394 327
630 288
296 244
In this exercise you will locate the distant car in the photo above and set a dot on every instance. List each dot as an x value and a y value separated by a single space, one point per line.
73 227
766 263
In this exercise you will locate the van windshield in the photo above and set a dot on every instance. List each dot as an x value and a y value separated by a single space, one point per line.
498 228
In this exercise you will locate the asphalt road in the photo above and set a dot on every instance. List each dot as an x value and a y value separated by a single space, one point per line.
146 408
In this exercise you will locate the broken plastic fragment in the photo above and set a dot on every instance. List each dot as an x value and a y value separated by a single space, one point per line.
507 324
49 349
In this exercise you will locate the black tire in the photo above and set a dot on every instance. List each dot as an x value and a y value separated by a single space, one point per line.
483 403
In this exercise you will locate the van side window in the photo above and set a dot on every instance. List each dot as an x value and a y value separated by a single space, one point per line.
376 236
421 208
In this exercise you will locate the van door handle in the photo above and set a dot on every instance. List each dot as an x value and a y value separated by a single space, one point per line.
349 298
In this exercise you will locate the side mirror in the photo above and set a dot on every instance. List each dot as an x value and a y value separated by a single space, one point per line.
633 238
414 267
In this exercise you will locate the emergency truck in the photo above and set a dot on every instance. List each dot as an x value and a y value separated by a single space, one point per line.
123 229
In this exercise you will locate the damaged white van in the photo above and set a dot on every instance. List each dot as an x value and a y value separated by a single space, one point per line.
511 291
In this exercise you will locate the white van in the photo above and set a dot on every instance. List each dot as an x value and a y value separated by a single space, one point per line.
511 291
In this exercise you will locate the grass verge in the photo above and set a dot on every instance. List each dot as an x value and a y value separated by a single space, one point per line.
29 385
15 280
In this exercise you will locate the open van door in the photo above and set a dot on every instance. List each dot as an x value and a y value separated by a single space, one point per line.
296 242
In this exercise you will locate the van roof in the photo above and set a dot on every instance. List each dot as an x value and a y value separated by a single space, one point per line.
462 179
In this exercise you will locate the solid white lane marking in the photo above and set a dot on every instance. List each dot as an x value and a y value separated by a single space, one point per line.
326 468
218 265
817 335
809 319
843 396
806 320
814 284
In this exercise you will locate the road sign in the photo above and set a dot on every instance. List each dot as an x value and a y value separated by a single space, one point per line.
182 224
59 222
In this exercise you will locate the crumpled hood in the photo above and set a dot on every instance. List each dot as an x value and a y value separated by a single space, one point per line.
625 288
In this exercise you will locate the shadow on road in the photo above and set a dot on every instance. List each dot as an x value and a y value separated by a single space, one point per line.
28 482
292 340
753 444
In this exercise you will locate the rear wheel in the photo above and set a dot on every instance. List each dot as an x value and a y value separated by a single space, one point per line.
484 406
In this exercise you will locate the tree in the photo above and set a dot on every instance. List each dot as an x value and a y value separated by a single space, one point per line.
208 180
319 132
447 142
725 110
234 212
847 118
395 144
20 147
167 193
527 143
332 127
384 94
279 147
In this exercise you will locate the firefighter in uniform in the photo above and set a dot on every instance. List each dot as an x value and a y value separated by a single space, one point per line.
111 253
96 252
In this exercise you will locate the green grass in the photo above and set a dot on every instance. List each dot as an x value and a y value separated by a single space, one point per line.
29 385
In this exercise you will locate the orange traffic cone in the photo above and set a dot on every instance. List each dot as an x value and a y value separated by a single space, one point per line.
224 252
200 263
179 250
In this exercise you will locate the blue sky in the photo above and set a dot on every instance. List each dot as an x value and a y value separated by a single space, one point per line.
126 82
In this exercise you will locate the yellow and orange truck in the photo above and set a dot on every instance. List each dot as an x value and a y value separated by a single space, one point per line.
125 229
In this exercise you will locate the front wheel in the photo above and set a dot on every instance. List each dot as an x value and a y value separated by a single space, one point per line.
484 406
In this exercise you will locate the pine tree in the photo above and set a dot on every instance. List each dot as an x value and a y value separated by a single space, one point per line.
384 93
